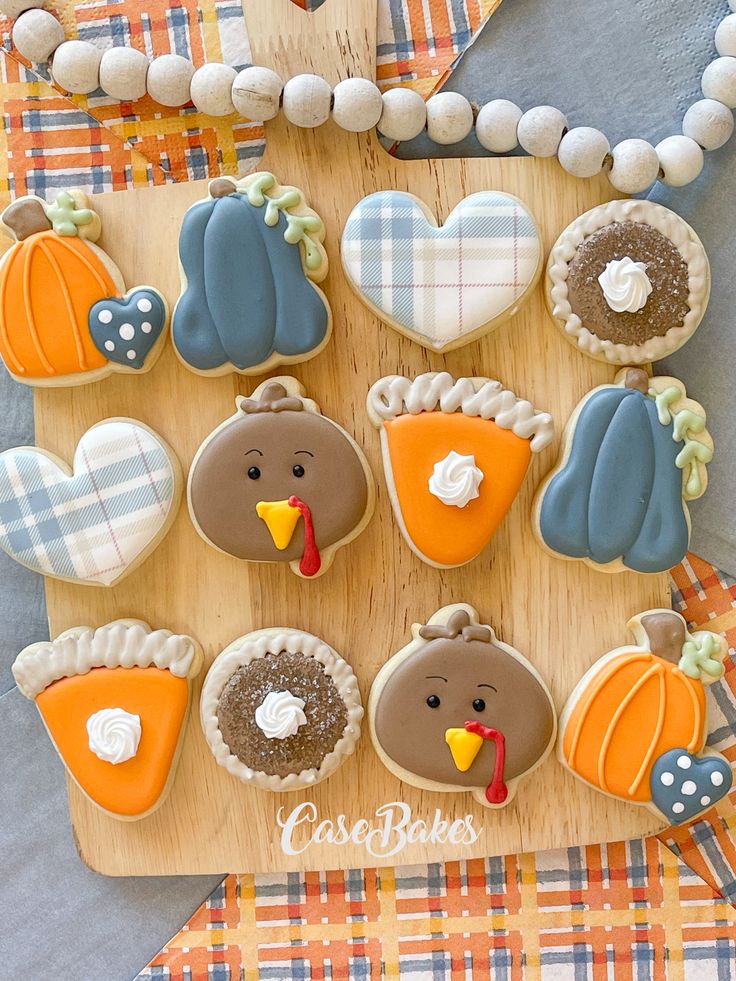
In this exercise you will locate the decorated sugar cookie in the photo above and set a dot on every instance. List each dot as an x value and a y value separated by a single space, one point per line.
634 453
96 521
65 318
454 453
115 702
628 282
442 286
250 256
280 709
636 724
457 710
280 482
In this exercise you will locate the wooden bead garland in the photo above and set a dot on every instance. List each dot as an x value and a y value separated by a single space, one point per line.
76 67
37 34
256 93
635 166
169 79
719 81
449 118
404 114
540 131
680 159
306 101
497 124
211 89
356 105
12 9
583 151
709 123
123 73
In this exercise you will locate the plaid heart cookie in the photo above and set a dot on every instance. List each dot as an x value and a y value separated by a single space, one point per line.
95 522
442 286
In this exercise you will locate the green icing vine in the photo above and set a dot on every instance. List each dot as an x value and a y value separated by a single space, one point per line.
685 425
65 216
299 228
702 655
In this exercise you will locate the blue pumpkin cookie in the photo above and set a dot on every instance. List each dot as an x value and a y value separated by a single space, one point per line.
250 256
633 454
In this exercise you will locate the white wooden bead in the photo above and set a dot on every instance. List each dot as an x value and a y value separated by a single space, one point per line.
709 123
169 79
680 159
75 67
306 101
449 118
540 131
719 81
726 36
37 34
583 151
496 126
211 89
123 73
12 9
635 166
404 114
356 105
256 93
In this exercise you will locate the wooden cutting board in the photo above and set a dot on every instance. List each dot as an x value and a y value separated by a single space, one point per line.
561 615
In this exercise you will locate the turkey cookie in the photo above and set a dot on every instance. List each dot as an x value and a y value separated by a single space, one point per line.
454 453
280 482
628 282
442 286
456 710
96 521
115 702
250 255
634 453
280 709
635 726
65 318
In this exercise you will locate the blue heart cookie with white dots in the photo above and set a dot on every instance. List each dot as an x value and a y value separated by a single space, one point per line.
684 785
126 329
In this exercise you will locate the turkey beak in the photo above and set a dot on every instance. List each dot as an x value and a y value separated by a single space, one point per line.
281 519
464 747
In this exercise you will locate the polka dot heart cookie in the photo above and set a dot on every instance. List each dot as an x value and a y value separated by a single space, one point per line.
128 329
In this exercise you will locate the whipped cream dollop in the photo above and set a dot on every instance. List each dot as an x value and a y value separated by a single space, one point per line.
456 480
625 284
280 714
114 734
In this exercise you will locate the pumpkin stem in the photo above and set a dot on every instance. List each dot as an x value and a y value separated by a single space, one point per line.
221 187
26 217
667 635
637 378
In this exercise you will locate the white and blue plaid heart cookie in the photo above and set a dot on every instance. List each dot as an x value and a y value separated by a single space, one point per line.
96 521
443 286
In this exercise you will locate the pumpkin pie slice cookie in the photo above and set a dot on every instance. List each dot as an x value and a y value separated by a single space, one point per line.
115 702
455 452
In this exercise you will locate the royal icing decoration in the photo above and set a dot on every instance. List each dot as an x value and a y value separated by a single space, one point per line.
96 521
442 286
57 289
455 452
280 714
625 284
250 254
457 710
115 702
633 454
636 724
280 482
114 735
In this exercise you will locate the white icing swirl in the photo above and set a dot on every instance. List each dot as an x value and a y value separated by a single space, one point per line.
280 714
114 734
625 284
456 480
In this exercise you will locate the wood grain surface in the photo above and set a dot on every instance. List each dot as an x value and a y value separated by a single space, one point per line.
562 615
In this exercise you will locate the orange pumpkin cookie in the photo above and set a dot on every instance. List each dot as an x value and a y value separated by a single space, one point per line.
114 702
454 453
636 724
65 318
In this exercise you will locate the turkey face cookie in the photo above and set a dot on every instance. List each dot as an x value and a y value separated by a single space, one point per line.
442 286
628 282
635 726
633 454
65 318
250 255
454 453
280 709
96 521
115 702
280 482
458 710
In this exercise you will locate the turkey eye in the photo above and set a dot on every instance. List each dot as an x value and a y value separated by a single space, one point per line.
478 704
254 473
433 701
298 470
